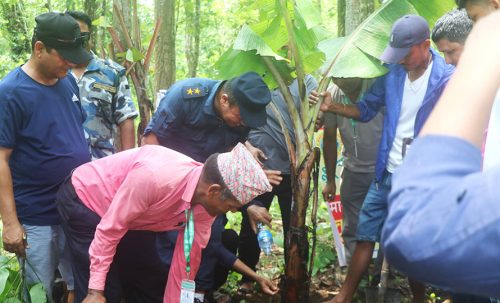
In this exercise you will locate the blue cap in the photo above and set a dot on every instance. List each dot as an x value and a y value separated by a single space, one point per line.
406 32
252 95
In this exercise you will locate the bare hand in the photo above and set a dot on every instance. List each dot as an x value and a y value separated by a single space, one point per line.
329 191
14 239
274 176
256 153
258 214
94 296
268 287
328 105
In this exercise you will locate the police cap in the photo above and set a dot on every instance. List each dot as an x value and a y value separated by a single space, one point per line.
252 95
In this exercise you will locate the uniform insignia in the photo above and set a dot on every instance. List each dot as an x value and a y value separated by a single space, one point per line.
105 87
193 92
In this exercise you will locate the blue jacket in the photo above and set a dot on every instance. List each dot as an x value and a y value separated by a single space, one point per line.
186 121
388 91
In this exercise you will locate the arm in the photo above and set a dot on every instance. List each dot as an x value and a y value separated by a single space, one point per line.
330 155
127 134
13 232
267 286
124 114
274 176
443 211
127 205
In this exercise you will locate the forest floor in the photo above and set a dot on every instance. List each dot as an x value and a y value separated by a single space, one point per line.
328 277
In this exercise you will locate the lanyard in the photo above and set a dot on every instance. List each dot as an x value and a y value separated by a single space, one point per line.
188 239
346 101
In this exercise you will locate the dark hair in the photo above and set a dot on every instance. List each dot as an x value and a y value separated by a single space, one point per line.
453 26
227 88
81 16
34 39
211 175
462 3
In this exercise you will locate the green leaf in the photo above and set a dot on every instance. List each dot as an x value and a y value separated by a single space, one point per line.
248 61
4 275
357 63
101 22
134 55
12 300
309 12
37 294
248 40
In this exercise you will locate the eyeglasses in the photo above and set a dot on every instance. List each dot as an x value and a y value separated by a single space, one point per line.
84 38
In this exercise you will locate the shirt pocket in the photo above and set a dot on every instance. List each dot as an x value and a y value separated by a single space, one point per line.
103 102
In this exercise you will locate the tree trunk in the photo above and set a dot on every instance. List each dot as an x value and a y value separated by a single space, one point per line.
90 8
296 282
341 10
125 9
356 12
165 48
192 37
17 30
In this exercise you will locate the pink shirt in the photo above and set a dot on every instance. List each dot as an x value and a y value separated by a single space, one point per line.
147 188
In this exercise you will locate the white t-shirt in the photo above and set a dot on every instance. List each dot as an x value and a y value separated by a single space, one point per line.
492 145
413 96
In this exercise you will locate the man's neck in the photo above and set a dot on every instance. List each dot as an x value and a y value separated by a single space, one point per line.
217 104
354 95
34 72
79 71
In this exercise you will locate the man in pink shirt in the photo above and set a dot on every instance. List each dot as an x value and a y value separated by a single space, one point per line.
151 188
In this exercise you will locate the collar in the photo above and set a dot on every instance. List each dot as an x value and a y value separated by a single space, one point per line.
193 178
208 107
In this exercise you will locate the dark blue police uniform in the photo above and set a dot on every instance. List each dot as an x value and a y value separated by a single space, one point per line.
186 121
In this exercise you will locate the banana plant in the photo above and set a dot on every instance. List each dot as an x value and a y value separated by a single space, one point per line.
287 42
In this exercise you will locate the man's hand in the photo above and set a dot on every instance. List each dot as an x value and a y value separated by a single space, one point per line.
94 296
268 287
258 214
329 191
256 153
274 176
327 105
14 238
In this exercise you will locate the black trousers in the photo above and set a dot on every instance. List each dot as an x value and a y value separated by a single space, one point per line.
136 273
248 248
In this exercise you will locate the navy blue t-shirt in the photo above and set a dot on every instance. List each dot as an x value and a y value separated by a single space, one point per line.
43 127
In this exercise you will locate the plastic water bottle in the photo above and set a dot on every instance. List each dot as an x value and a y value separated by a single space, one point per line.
264 238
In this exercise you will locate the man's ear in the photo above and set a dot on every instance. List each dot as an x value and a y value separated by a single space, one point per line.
39 46
224 99
214 190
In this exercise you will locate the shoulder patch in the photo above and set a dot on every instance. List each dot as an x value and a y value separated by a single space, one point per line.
194 91
105 87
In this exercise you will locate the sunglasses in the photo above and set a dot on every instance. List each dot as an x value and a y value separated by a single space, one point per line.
85 38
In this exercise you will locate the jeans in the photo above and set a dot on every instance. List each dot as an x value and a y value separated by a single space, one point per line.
46 246
374 210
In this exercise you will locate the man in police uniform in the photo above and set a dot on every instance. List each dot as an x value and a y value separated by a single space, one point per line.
106 99
199 117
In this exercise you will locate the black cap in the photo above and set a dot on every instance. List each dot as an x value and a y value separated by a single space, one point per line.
61 32
252 95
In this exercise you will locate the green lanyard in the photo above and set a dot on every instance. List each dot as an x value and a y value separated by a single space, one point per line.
346 101
188 239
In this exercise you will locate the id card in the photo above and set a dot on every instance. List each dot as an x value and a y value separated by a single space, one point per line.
187 291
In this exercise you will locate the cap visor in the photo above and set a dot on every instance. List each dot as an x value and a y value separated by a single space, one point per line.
253 119
394 55
76 55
